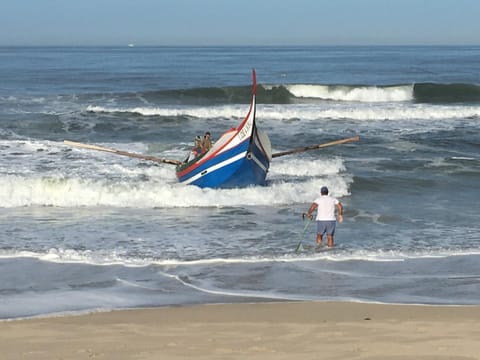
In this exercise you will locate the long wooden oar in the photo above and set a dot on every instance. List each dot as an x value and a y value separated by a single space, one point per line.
123 153
313 147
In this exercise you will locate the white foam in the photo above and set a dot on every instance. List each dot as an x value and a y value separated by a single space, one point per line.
338 111
349 93
99 179
237 111
463 158
17 191
111 257
304 167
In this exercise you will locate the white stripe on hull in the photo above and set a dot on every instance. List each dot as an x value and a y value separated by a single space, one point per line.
259 163
215 167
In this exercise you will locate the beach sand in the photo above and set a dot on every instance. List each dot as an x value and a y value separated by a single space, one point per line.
298 330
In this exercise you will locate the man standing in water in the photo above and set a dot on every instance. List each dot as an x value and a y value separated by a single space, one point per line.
326 220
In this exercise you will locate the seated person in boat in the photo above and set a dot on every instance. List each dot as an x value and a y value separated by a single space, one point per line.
197 149
207 141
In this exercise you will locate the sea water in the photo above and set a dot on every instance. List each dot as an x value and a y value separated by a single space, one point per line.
83 230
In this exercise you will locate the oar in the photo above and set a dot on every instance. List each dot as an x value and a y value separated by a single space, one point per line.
309 219
313 147
123 153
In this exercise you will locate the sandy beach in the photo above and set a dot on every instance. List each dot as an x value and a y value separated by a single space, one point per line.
310 330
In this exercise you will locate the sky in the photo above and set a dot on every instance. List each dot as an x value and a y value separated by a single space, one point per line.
239 22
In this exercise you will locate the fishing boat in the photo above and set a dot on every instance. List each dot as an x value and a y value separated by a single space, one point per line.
239 158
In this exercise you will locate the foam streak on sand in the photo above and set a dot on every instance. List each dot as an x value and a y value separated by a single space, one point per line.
246 331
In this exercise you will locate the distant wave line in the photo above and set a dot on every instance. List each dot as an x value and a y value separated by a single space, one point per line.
307 112
426 92
286 93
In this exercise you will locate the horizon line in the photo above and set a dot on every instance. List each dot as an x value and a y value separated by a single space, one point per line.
133 45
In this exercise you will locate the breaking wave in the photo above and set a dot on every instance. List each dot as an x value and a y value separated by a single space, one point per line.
354 93
293 93
163 191
383 111
421 93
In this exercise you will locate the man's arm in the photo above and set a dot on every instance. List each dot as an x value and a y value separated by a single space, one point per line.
340 212
311 210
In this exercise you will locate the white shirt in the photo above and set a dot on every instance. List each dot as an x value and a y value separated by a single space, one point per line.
326 208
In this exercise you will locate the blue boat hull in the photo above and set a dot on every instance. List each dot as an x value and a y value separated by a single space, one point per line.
240 158
242 166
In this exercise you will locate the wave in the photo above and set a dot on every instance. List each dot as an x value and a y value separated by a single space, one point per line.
161 190
354 93
419 93
108 258
383 111
278 94
316 102
231 101
168 111
294 93
446 93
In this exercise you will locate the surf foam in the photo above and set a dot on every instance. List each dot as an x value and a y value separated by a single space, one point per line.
338 111
353 93
291 182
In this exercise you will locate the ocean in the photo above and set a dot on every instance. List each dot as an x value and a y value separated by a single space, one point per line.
84 231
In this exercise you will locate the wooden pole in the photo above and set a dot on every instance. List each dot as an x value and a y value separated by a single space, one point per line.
123 153
313 147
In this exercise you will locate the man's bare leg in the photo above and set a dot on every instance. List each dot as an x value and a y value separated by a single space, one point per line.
330 240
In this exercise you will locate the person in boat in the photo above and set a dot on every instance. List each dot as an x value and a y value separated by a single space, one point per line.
197 149
207 141
326 220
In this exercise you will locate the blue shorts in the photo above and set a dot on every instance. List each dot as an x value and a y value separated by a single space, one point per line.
327 227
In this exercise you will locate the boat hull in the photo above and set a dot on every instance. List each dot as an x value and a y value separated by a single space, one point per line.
245 165
240 158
